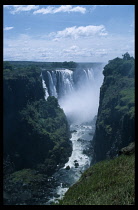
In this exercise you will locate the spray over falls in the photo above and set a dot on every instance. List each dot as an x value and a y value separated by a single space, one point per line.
77 91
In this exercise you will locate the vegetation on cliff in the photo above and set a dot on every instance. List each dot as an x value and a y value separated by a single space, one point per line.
42 128
115 119
36 132
109 182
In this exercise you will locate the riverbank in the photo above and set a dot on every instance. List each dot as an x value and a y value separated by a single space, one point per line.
109 182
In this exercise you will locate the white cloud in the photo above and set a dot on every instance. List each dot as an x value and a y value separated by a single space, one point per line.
56 40
63 8
92 49
8 28
75 54
21 8
101 52
44 10
71 50
82 31
79 9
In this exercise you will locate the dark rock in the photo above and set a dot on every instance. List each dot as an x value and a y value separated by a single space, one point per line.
76 165
68 167
128 150
74 131
80 140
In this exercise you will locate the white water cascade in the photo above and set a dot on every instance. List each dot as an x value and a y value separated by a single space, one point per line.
44 87
53 91
59 82
66 81
78 94
78 161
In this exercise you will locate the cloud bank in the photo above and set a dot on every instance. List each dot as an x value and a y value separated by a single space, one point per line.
82 31
94 49
20 8
63 8
15 9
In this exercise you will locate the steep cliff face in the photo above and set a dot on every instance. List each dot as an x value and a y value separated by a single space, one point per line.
18 90
115 120
36 132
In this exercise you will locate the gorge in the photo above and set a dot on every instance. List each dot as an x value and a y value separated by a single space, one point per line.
50 128
78 94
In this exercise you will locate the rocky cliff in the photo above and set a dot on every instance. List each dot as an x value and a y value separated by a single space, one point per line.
115 120
36 132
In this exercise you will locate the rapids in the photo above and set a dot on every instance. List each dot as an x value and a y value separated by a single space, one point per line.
78 162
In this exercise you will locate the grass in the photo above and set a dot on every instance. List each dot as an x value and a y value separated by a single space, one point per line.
109 182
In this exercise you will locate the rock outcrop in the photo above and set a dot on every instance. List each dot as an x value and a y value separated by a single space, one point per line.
128 150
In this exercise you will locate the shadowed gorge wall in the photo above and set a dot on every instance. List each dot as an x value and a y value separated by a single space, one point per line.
35 130
115 121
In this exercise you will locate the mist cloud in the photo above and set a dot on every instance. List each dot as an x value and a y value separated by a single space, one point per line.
82 104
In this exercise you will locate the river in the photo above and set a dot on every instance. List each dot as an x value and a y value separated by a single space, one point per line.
78 162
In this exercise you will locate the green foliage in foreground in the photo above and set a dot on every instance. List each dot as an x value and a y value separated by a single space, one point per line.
109 182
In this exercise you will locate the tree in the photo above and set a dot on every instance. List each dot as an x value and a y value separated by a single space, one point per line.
126 56
72 64
65 64
7 65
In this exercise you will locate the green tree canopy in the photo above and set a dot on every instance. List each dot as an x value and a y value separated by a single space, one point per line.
7 65
126 56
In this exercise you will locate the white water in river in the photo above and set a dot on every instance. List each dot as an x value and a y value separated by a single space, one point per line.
78 161
78 95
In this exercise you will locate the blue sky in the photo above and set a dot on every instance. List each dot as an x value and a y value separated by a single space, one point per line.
80 33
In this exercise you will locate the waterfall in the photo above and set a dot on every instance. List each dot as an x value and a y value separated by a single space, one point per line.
53 91
45 87
60 82
91 75
77 91
86 75
65 82
54 78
